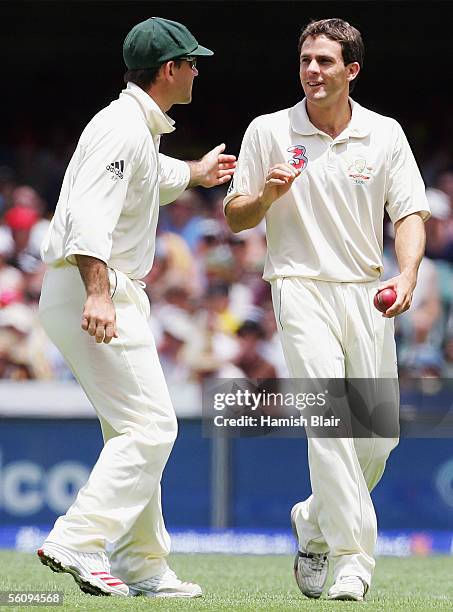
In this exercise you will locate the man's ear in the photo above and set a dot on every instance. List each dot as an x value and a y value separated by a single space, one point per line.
169 68
164 71
353 70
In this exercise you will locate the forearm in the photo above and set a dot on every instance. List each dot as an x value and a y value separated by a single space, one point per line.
410 244
94 275
245 212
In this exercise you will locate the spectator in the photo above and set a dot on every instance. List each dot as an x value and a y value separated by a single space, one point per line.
249 358
174 265
7 186
420 325
23 343
20 221
11 280
217 304
182 218
437 238
177 331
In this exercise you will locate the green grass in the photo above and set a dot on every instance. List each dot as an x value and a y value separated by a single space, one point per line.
247 583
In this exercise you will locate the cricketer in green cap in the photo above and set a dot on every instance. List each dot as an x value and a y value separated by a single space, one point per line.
155 41
116 182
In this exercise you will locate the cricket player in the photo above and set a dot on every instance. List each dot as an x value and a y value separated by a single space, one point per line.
322 173
100 244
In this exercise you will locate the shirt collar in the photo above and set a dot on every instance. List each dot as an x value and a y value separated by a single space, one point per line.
358 126
158 121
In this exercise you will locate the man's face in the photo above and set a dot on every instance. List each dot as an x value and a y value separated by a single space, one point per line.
323 74
184 76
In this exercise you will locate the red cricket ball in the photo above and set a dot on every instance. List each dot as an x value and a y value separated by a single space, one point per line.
384 299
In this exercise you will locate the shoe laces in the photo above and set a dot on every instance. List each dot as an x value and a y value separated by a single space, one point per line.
170 574
105 560
155 581
317 563
96 561
350 580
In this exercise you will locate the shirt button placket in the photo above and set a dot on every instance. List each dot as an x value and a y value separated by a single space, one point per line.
331 157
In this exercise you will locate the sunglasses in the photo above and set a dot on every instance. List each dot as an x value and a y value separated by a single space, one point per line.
191 59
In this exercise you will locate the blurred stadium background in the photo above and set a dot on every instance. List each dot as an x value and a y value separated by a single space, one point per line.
211 312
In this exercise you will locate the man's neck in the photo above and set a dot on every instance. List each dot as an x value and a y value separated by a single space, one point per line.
160 98
331 120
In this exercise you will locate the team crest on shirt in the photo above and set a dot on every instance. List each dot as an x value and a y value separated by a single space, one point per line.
298 158
359 171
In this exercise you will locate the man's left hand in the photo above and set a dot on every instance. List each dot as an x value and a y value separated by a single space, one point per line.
404 286
214 168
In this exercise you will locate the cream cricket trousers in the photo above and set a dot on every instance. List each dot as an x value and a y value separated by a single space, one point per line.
121 502
332 330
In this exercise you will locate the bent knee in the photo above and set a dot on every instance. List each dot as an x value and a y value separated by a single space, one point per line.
164 431
374 450
383 447
155 432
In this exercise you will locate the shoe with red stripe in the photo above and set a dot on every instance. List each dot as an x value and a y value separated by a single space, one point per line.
165 584
91 571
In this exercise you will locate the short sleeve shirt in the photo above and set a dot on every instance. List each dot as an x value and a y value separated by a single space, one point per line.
329 226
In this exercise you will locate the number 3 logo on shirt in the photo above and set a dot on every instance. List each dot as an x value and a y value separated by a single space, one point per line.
299 160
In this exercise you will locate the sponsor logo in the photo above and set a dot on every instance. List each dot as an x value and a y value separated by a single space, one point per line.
298 159
27 487
117 169
359 171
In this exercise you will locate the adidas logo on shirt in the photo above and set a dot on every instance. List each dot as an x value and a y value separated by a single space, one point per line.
117 168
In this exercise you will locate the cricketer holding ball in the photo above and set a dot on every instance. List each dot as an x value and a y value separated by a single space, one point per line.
100 243
322 173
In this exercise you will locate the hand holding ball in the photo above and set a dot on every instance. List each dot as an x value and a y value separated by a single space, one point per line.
384 299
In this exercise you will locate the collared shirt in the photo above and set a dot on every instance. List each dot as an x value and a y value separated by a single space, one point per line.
329 225
109 201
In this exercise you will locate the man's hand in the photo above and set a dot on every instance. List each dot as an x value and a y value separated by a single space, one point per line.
409 248
243 212
404 286
99 318
279 180
214 168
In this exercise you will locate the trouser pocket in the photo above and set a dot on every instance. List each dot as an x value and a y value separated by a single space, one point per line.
280 283
113 281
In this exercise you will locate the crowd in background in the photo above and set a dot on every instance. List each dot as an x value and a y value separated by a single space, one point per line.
211 311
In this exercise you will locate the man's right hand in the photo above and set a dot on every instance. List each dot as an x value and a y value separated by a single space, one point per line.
279 180
99 318
245 211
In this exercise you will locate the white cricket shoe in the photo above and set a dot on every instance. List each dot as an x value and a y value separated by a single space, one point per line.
91 571
166 584
310 569
348 588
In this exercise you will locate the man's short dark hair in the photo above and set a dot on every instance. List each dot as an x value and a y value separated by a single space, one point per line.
144 77
342 32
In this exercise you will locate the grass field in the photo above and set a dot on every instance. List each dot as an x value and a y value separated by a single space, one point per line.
247 583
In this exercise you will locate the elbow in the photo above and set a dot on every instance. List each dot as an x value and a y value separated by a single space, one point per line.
232 221
234 226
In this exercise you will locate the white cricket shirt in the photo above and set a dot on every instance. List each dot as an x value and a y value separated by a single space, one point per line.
329 226
109 201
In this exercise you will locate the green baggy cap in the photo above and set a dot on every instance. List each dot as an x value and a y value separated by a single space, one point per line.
157 40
